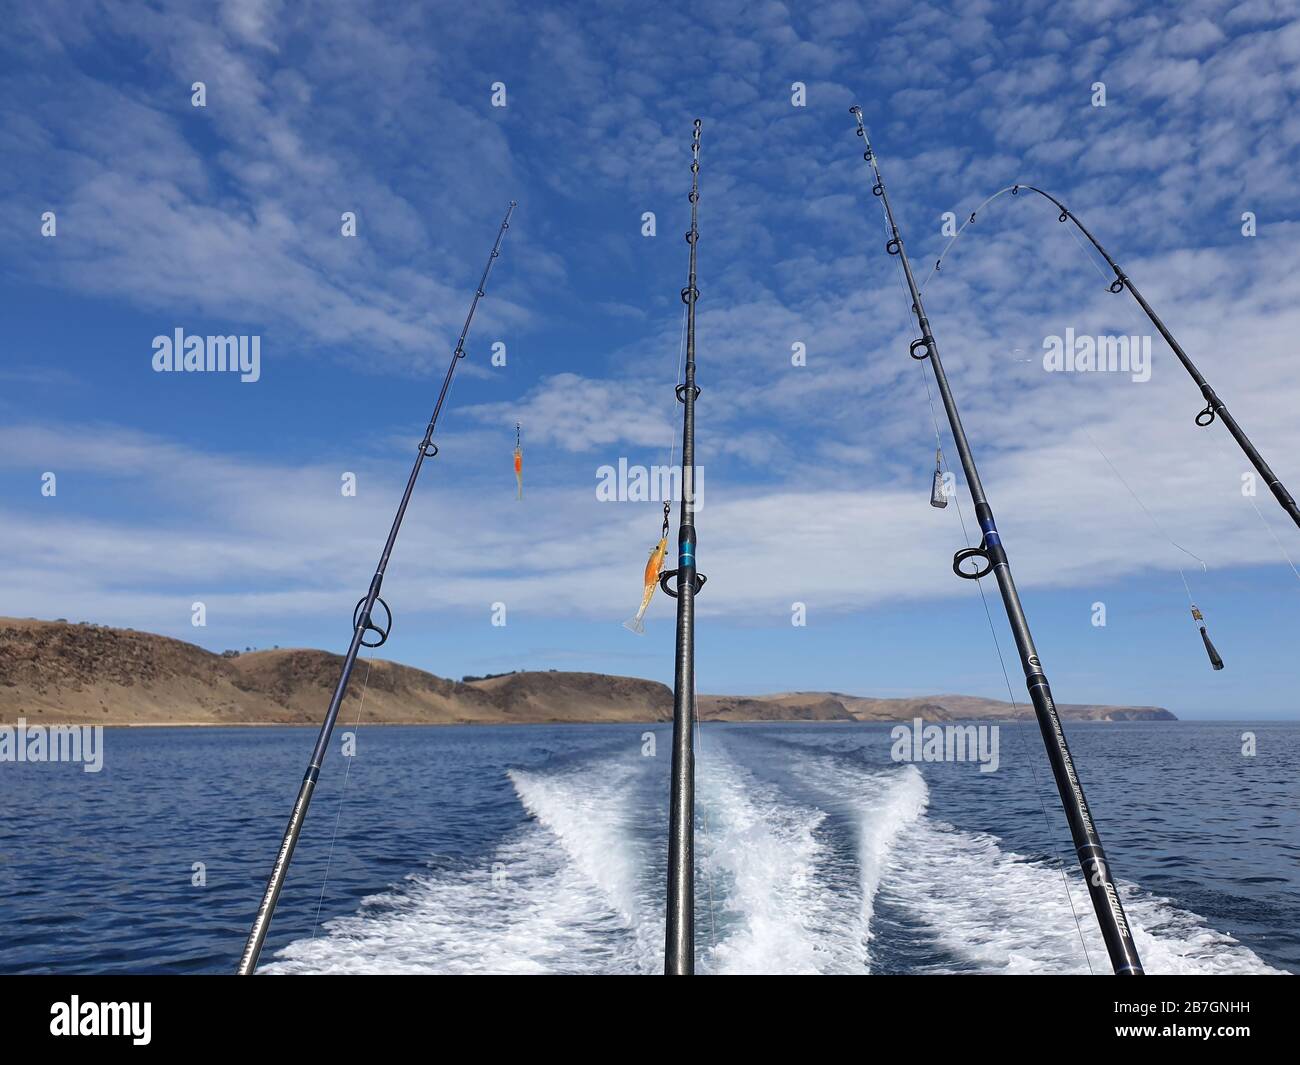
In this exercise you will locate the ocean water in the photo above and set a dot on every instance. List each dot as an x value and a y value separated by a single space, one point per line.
541 849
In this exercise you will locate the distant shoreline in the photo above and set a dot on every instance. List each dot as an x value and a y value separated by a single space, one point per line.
57 672
628 723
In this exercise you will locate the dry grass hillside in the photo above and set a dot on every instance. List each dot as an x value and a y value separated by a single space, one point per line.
54 672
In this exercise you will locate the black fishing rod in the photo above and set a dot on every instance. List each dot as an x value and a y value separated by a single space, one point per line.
679 926
362 623
1214 406
991 557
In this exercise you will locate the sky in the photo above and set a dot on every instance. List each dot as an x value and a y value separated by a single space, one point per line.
172 489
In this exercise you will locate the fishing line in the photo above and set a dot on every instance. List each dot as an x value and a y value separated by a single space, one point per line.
655 563
1133 317
1089 252
672 442
1262 520
961 229
677 376
991 557
343 794
1137 499
1215 408
988 614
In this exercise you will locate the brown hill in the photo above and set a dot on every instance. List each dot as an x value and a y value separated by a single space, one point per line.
54 672
835 706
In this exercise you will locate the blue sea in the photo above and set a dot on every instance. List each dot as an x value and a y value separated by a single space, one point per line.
541 849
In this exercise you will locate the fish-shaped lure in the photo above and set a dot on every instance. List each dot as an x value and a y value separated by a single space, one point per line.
519 464
653 568
1215 661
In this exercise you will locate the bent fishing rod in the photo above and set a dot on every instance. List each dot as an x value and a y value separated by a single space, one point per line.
363 623
1214 406
991 557
679 925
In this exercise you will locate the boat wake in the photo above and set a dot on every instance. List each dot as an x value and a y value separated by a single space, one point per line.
831 867
563 893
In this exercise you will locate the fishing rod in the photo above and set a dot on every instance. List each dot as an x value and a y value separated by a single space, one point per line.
362 623
679 926
1214 406
991 557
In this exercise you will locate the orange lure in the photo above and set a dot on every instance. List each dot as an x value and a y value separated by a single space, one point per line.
519 465
653 568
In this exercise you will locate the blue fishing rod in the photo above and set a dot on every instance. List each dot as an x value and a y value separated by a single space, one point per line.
363 623
991 557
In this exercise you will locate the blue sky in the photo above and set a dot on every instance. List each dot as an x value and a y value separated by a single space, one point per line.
225 219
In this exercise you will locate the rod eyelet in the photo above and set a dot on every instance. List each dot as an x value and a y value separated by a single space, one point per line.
370 626
1062 217
1117 286
972 552
690 294
924 345
673 592
680 390
877 189
1206 417
894 246
430 449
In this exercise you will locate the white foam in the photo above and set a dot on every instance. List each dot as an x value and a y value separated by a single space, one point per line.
1000 912
787 900
889 805
567 897
778 890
